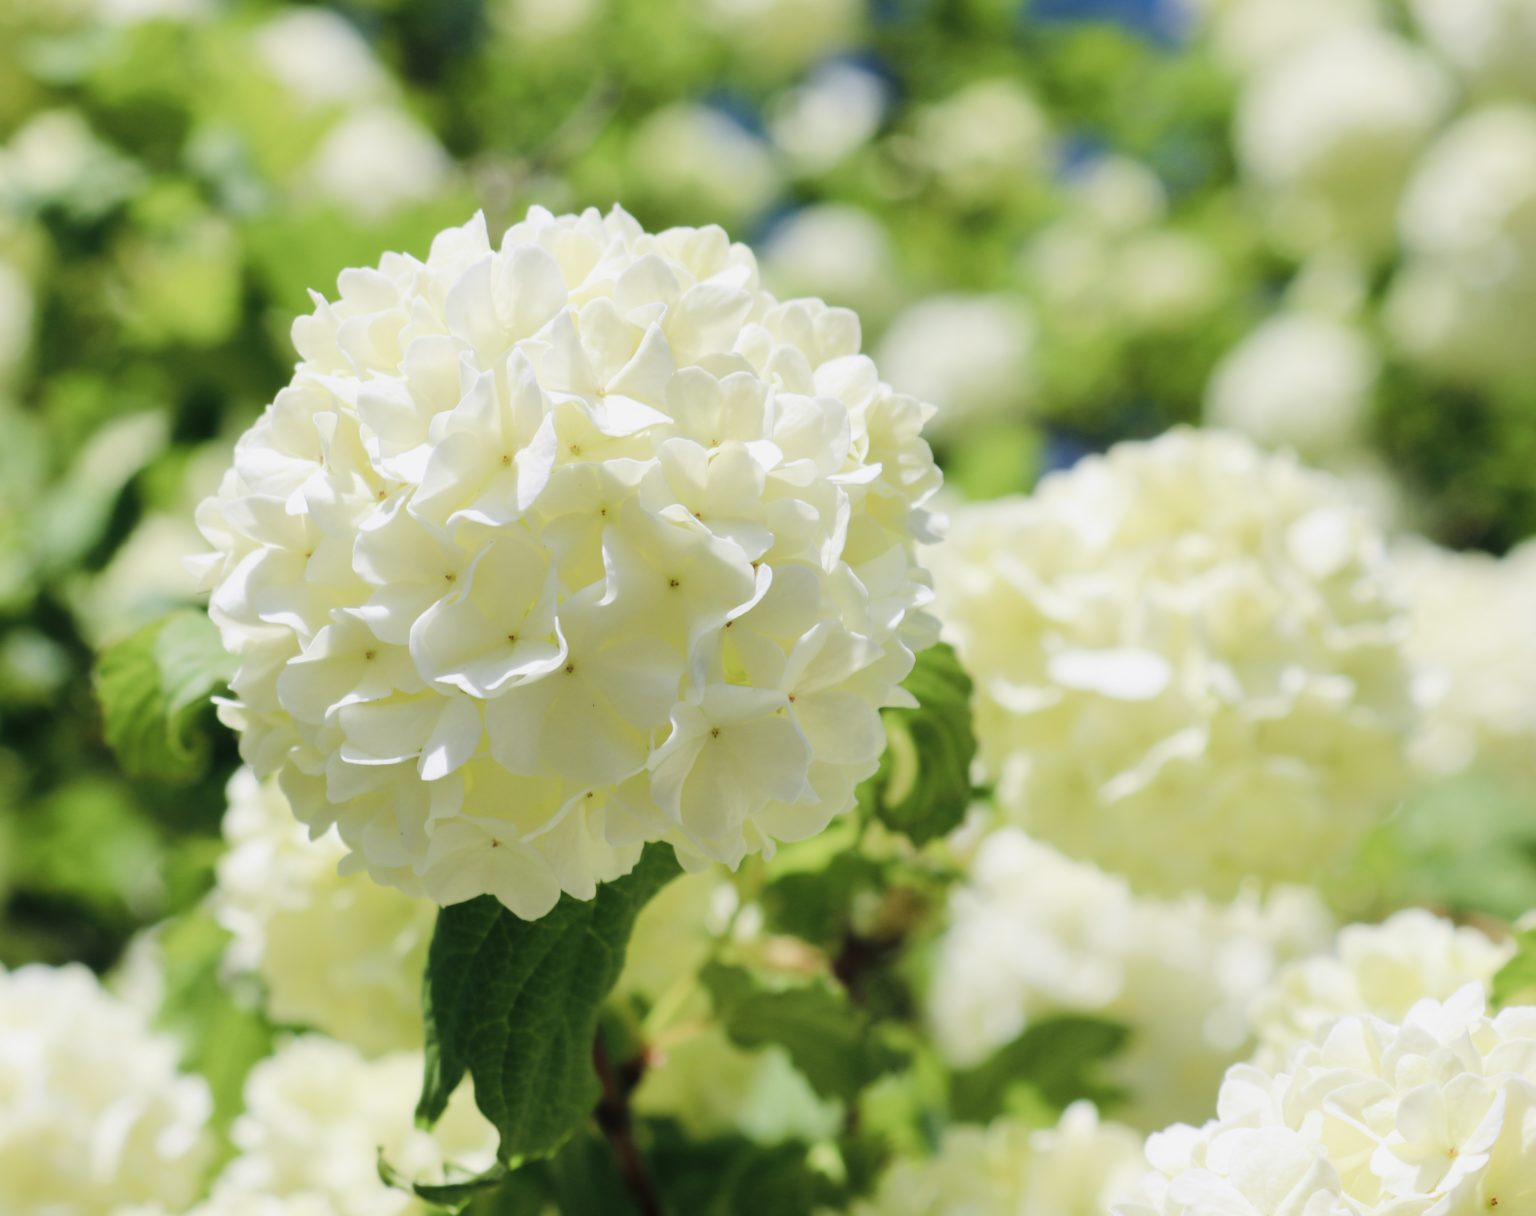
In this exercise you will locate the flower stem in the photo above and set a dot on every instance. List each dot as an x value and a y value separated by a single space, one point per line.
613 1116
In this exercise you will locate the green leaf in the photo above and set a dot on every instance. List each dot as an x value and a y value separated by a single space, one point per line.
817 905
515 1003
830 1041
453 1196
923 785
1515 983
152 686
731 1175
1055 1058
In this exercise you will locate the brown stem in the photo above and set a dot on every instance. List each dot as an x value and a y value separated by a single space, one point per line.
613 1116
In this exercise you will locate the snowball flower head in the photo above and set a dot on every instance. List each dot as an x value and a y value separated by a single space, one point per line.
320 56
376 160
971 355
93 1115
1332 130
1032 935
1383 970
1299 381
1430 1117
1491 41
1188 662
984 140
317 1117
1473 645
1076 1168
558 548
336 952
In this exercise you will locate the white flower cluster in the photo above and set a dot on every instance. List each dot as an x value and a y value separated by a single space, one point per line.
1473 646
1077 1168
971 355
1383 970
1112 268
1330 131
554 549
984 140
1461 301
1188 660
1432 1117
1032 934
317 1117
1492 42
335 952
93 1114
1298 380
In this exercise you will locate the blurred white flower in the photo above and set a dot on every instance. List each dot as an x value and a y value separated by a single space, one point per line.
1493 42
335 952
971 355
145 577
1188 660
1382 970
1373 1119
318 1116
1032 934
1009 1168
836 251
1468 223
1297 381
985 140
320 57
132 12
1328 134
698 156
93 1114
821 122
1249 34
1473 647
534 22
553 550
783 35
376 160
55 155
1108 266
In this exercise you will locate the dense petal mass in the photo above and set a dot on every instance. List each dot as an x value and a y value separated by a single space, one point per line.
94 1117
561 546
335 952
1433 1115
1190 663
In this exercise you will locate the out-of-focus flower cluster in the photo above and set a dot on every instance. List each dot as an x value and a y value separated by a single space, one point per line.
1184 634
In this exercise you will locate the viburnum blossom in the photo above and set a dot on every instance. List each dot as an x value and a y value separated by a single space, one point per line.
94 1116
1189 662
1382 969
553 549
1031 934
359 977
1009 1168
1473 646
1435 1116
318 1117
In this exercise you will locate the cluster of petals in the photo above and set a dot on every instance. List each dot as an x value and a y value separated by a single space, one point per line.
318 1119
1189 662
1032 935
358 978
559 547
1433 1116
1010 1168
94 1116
1383 970
1474 653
